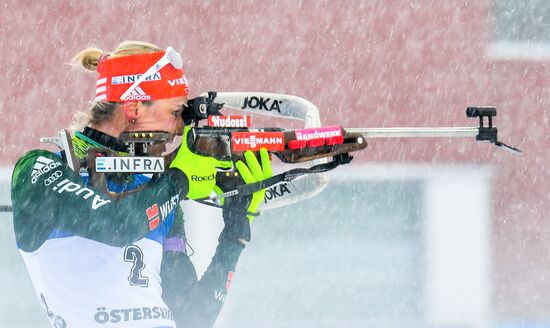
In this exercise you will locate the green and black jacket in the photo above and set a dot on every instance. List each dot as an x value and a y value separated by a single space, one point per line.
51 201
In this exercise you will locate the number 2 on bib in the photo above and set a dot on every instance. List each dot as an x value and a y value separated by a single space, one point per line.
133 254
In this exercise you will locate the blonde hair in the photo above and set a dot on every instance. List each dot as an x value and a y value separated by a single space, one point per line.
88 59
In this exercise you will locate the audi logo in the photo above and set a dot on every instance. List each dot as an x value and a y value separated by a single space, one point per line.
52 178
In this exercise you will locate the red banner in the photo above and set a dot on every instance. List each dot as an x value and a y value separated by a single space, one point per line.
243 141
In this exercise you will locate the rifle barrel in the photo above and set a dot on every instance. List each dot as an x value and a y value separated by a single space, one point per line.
416 132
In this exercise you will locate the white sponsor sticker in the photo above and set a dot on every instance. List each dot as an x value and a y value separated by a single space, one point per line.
229 121
129 164
243 141
125 79
319 133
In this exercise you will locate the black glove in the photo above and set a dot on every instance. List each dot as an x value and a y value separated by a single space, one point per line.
237 224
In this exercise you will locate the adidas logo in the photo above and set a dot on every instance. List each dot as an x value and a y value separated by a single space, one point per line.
138 94
41 166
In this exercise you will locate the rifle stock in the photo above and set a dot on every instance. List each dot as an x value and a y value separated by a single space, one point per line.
290 146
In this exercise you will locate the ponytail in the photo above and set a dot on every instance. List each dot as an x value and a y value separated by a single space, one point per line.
89 59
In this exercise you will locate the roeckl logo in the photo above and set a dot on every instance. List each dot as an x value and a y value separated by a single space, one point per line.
203 178
262 103
85 193
41 166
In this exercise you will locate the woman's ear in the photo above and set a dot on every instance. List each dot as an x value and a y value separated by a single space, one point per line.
130 109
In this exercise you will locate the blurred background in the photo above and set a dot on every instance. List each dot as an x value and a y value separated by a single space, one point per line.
439 232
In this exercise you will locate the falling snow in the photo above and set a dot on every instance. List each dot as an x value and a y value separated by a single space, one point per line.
445 232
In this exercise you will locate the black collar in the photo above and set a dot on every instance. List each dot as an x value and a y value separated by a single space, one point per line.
105 139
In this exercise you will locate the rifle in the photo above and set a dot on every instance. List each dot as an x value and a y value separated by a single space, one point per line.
228 137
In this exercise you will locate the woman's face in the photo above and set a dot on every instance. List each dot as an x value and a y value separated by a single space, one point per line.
161 115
